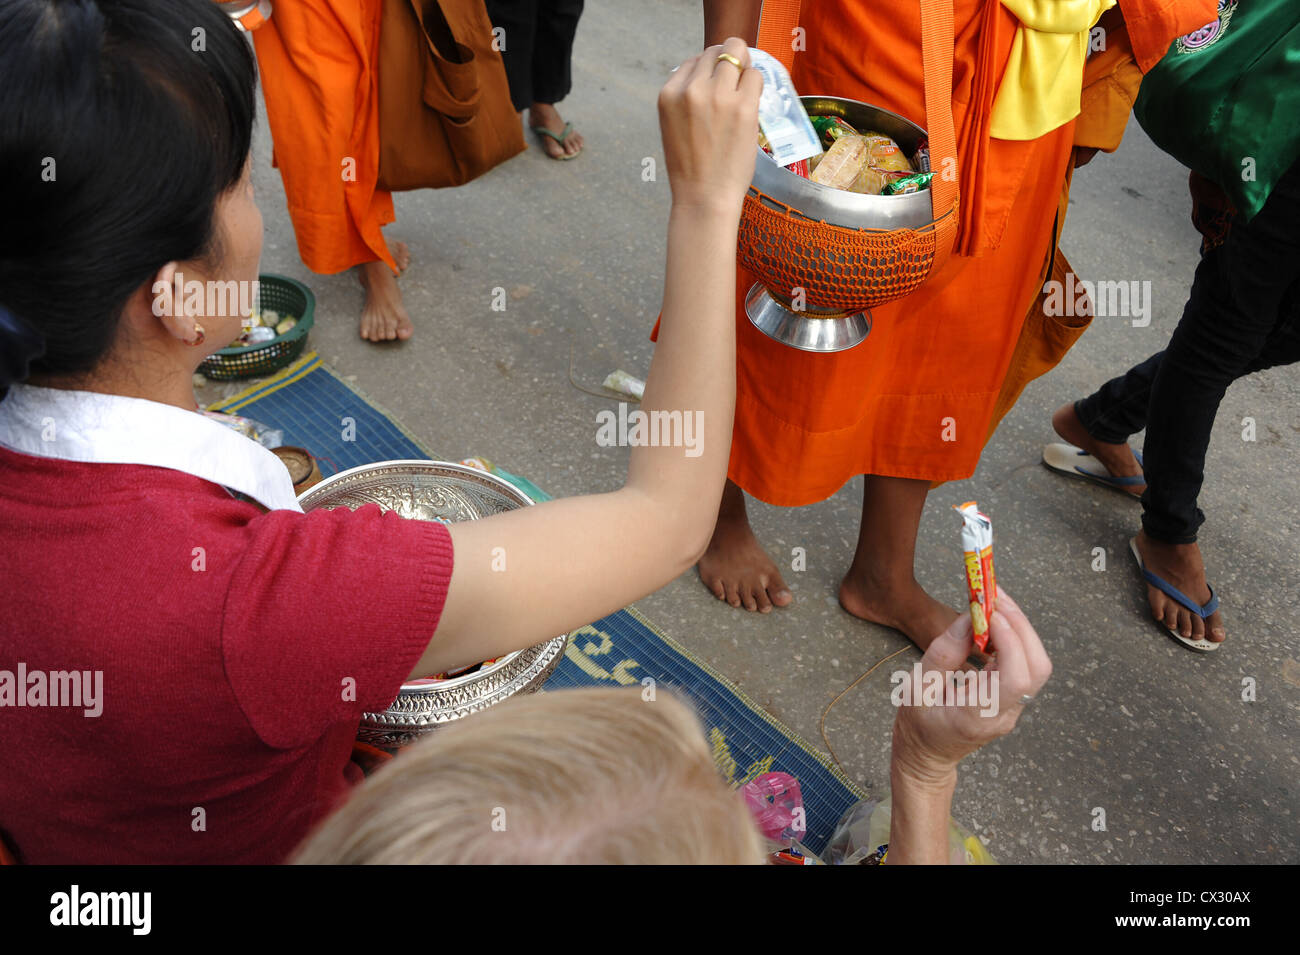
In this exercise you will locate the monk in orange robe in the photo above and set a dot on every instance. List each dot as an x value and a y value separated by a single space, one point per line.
319 75
915 403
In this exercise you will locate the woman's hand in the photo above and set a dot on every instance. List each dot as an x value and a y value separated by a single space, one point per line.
929 741
708 114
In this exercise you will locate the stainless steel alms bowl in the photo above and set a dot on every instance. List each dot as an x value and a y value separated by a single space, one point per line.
820 257
438 491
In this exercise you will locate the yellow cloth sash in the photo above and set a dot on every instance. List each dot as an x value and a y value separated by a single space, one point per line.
1044 76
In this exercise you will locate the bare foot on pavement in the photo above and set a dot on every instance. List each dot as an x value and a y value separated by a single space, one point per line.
735 568
383 316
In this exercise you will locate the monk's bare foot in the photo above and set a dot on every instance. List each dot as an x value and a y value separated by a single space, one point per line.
903 605
548 117
1118 459
401 255
383 317
735 568
1180 565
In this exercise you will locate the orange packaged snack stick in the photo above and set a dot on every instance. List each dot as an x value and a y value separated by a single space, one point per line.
981 582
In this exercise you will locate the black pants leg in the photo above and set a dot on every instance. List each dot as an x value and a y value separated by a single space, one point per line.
1239 318
538 47
557 24
518 21
1118 409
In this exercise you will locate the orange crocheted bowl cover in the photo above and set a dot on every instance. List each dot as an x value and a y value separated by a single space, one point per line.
838 268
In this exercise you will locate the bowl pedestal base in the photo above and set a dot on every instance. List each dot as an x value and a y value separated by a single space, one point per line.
808 329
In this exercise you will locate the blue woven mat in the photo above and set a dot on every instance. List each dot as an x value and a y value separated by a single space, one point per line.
317 410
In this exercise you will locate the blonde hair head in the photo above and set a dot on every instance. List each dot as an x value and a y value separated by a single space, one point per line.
575 776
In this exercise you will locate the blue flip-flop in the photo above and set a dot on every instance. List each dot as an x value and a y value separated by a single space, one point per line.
1076 463
1201 610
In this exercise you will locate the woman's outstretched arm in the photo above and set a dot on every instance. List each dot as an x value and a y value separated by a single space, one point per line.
571 561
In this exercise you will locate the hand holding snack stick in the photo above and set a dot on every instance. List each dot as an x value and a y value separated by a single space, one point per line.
929 741
981 582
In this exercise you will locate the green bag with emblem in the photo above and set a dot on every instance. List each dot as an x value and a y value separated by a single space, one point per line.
1225 99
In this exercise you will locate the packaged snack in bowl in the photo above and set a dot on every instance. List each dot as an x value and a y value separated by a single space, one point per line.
907 184
800 168
843 163
884 154
869 180
831 128
922 158
981 582
781 115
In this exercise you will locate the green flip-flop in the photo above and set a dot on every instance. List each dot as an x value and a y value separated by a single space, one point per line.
559 138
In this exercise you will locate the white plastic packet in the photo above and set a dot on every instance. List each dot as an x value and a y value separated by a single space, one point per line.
781 115
625 384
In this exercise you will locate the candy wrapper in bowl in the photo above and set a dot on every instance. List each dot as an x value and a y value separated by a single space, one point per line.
977 557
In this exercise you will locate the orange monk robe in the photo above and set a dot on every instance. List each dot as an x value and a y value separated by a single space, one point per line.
318 67
916 399
1112 77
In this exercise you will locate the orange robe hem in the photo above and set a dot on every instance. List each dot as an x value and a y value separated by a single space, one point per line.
318 68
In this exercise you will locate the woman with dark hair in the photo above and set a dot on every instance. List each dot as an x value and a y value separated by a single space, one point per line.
182 670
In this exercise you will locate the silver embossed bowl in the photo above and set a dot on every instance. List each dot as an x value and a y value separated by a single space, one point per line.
438 491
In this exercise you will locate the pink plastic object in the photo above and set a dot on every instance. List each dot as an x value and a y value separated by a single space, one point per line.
776 804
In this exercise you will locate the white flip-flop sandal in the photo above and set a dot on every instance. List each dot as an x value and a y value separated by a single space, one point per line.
1076 463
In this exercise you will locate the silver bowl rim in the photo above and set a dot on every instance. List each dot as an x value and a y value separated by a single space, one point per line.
483 476
412 690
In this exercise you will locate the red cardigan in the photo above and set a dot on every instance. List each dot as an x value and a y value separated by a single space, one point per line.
228 641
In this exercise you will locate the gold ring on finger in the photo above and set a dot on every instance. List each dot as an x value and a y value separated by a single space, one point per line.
734 61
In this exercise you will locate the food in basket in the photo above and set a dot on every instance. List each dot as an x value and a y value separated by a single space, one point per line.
263 327
256 336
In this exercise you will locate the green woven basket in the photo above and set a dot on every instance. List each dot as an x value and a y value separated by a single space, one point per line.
290 298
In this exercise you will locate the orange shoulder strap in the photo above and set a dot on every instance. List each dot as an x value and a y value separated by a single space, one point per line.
776 27
776 34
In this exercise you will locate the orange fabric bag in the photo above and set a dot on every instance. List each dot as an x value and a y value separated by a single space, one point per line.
445 115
